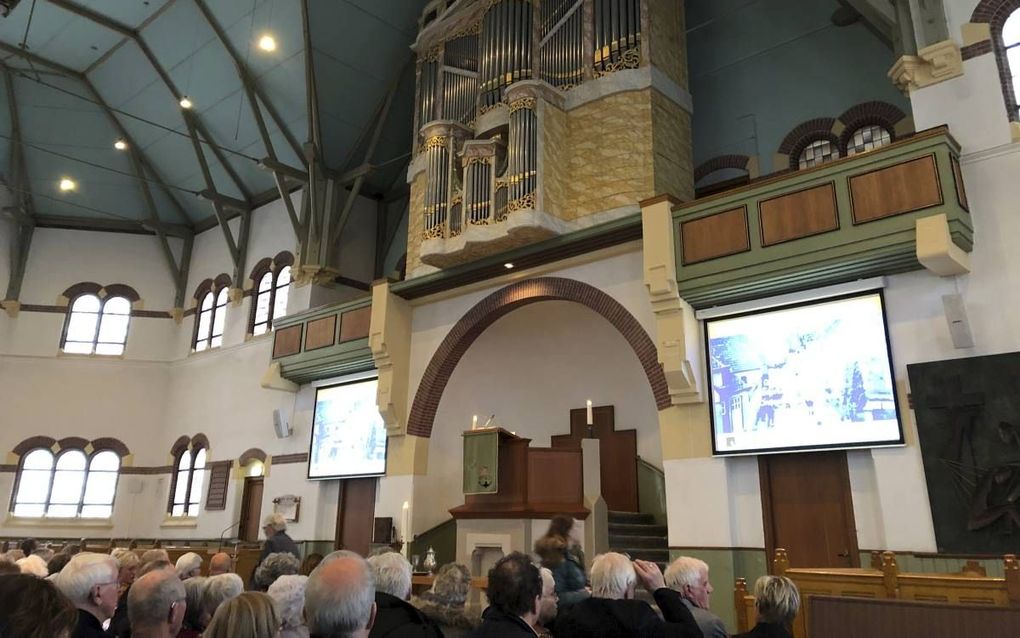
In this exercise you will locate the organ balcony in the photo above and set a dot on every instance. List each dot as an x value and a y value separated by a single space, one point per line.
538 119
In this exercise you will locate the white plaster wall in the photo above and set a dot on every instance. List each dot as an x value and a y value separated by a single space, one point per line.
714 502
530 368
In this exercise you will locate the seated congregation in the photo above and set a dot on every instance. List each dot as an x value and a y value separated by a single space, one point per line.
80 594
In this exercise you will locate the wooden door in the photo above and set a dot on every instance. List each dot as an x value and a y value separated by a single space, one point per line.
355 520
808 510
251 509
617 452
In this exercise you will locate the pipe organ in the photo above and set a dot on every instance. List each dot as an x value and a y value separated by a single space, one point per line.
494 86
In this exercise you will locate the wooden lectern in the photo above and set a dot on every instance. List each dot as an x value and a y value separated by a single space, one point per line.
504 477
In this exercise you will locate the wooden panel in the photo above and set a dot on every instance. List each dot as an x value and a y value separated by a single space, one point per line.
287 341
961 191
555 476
812 519
219 476
617 450
356 515
898 189
714 236
320 333
808 212
251 508
354 324
846 617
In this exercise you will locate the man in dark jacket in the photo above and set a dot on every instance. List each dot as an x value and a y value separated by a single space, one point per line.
612 612
515 594
90 581
277 541
394 616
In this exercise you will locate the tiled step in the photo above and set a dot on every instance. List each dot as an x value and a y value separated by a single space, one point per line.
633 518
630 529
643 553
651 542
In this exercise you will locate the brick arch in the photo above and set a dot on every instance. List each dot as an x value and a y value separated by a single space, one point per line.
252 454
505 301
994 13
805 132
718 163
866 114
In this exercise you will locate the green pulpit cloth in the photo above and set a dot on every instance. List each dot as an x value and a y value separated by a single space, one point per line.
481 462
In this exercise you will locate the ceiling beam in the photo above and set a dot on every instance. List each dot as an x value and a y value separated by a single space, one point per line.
311 90
250 82
22 195
134 227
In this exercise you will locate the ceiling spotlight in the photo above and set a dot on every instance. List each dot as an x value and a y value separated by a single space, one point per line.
67 184
120 145
267 43
508 266
185 103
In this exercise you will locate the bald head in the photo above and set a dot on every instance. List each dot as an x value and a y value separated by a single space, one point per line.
156 605
340 596
220 563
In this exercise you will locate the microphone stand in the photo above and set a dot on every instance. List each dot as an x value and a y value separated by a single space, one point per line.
219 545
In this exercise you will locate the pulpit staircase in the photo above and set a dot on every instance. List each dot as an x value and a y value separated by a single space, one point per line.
638 536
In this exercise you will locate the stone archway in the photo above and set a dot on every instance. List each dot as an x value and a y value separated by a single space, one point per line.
506 300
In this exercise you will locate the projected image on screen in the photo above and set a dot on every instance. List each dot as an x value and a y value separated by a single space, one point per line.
802 377
348 435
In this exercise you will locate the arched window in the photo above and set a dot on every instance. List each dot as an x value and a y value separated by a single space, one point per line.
189 477
817 152
212 313
272 279
68 485
867 138
1011 57
97 326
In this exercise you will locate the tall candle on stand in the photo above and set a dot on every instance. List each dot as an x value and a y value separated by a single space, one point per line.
474 422
589 412
405 530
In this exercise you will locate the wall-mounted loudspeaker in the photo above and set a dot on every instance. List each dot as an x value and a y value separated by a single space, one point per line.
956 317
283 429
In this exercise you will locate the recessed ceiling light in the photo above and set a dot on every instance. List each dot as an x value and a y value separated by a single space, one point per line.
267 43
186 103
67 184
508 265
120 145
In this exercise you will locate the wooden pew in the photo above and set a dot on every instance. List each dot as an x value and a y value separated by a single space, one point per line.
881 581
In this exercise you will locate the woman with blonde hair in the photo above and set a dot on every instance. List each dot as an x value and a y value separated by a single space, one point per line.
250 615
777 600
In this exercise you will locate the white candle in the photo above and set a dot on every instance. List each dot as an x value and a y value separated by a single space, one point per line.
405 530
589 412
474 422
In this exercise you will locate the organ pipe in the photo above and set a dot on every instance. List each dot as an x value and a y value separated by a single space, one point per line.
477 190
617 32
437 185
505 48
523 144
427 85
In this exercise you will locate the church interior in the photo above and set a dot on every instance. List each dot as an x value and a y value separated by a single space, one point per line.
727 279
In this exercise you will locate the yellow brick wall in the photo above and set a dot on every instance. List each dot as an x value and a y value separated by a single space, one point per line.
553 175
667 41
671 144
610 159
415 221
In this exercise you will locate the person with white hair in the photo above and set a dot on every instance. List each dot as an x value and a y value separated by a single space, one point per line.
288 593
274 566
90 581
549 604
33 565
189 565
194 622
612 610
777 601
218 590
275 528
394 616
340 597
128 562
689 577
156 605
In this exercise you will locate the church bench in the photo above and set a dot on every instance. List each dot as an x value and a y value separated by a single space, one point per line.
839 617
885 582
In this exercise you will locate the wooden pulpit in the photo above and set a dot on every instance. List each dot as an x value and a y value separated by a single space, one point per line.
504 477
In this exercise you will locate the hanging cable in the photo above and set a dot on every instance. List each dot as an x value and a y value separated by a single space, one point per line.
20 73
64 200
95 165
